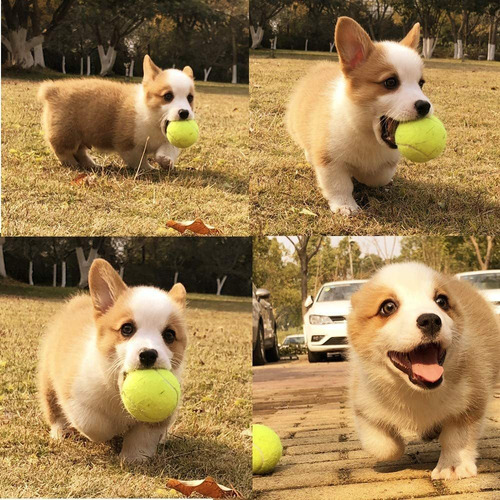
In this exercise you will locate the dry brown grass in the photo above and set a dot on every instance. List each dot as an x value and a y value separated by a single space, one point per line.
454 194
206 438
210 180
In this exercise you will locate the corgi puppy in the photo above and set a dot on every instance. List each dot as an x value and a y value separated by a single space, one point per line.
346 120
91 346
131 119
425 358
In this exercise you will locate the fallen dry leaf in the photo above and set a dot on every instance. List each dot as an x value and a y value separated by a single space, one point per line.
197 226
84 180
306 211
207 487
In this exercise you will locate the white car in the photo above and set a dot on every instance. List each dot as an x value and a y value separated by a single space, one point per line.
488 283
325 323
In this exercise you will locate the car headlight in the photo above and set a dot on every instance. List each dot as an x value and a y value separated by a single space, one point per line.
315 319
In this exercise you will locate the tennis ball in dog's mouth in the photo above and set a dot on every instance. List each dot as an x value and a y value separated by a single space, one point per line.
182 133
421 140
266 449
150 395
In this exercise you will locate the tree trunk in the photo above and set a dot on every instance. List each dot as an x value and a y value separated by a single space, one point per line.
235 57
491 52
307 43
30 273
257 36
81 66
20 48
460 49
64 64
3 272
54 275
107 59
88 65
39 59
63 274
84 265
428 46
206 73
332 46
304 271
492 36
122 270
131 69
176 277
220 284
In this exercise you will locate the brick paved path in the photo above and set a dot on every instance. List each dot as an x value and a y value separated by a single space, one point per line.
306 404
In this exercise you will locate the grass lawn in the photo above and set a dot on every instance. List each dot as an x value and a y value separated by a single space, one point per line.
210 180
455 194
206 439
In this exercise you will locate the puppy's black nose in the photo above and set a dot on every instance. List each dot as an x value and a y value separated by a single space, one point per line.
183 113
429 324
422 107
148 357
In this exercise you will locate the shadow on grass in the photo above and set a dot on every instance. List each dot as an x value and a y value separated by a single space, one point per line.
194 458
211 303
294 54
36 292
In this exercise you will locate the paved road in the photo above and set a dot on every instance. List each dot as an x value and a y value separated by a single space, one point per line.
307 406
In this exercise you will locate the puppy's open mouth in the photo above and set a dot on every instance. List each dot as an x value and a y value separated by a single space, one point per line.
163 125
423 365
388 128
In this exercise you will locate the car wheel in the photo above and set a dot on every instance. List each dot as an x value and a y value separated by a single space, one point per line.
315 357
259 355
273 354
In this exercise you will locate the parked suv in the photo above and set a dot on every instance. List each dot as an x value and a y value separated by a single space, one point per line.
325 323
488 283
265 340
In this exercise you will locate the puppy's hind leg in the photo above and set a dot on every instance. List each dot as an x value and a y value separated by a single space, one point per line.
51 409
381 442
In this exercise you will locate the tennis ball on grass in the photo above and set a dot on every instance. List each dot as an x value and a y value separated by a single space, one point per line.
150 395
182 133
421 140
266 449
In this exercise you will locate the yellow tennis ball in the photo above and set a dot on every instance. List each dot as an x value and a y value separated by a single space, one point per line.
421 140
150 395
182 133
266 449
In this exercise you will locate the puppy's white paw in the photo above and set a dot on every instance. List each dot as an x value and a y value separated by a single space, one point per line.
345 209
136 457
58 431
467 468
165 162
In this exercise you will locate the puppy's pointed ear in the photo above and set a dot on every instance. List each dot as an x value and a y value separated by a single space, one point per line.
151 70
412 39
178 294
353 44
188 71
105 286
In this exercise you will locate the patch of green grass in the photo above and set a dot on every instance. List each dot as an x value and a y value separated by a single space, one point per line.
206 439
456 193
210 180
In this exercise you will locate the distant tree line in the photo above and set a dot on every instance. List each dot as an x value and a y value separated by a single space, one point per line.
292 276
202 265
450 28
112 36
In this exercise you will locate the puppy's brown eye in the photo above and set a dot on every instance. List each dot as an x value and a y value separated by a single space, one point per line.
421 83
190 98
169 97
391 83
442 302
387 308
168 335
127 329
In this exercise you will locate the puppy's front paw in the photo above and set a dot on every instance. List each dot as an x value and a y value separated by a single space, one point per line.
466 468
345 209
165 162
133 457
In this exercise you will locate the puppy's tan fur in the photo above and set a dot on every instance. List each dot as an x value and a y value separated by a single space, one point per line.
84 113
83 361
385 403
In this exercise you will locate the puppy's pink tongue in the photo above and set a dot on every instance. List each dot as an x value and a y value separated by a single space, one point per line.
424 363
